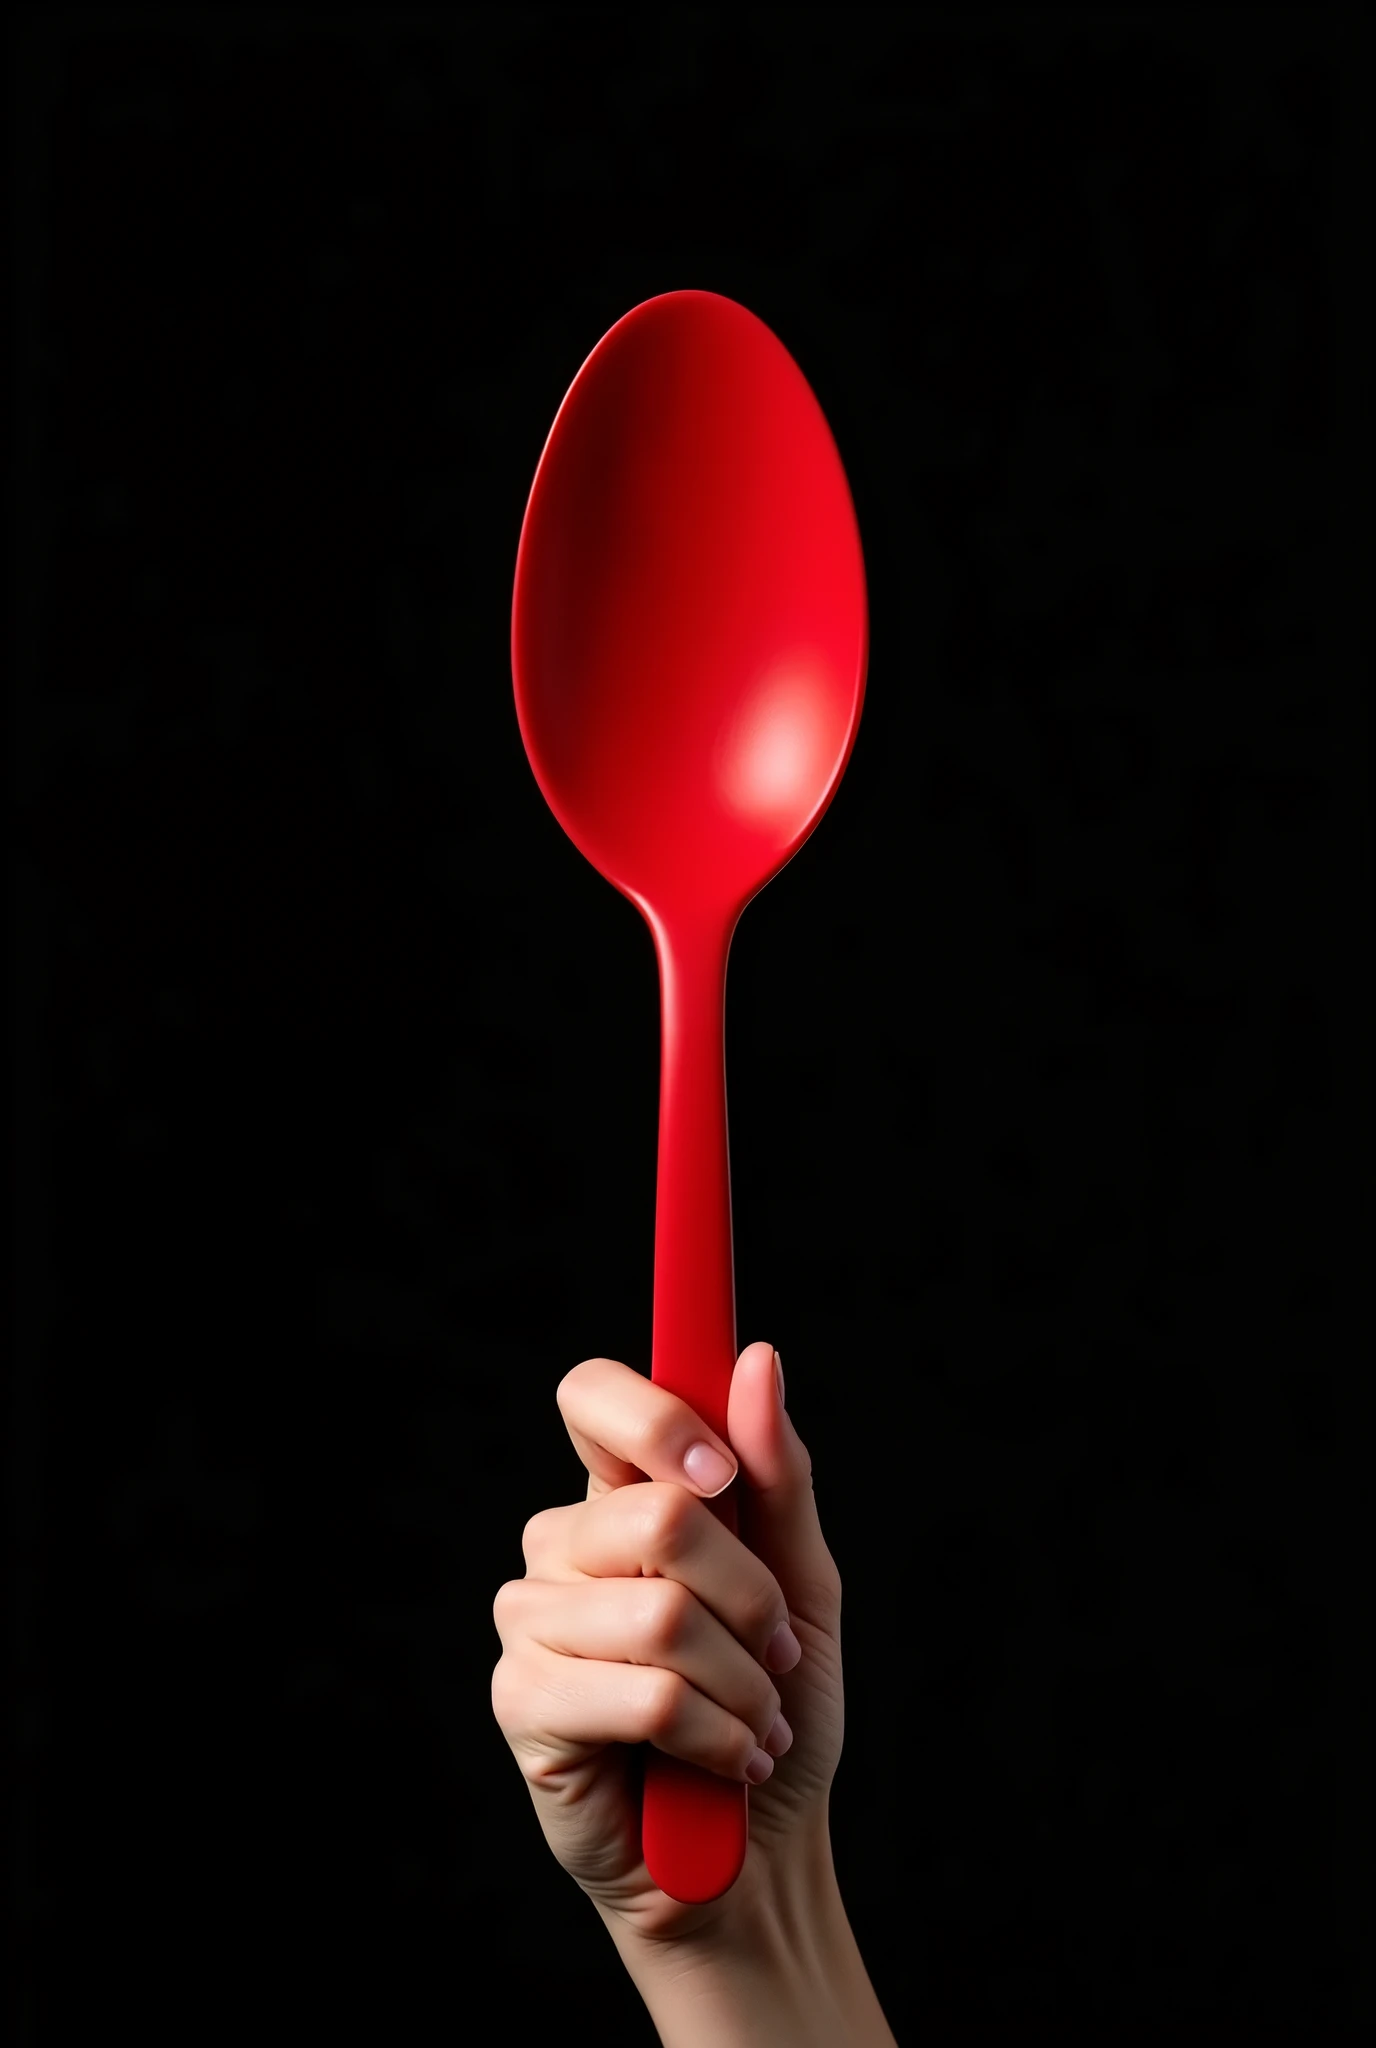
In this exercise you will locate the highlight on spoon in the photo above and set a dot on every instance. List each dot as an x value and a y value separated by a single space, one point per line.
689 624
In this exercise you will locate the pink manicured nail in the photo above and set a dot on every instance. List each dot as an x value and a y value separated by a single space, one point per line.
759 1767
783 1650
780 1737
708 1469
779 1377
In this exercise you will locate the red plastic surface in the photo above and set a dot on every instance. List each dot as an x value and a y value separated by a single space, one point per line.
689 646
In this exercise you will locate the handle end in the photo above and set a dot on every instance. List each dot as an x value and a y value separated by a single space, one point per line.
694 1829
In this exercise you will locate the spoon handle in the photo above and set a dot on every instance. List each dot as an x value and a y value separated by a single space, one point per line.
693 1823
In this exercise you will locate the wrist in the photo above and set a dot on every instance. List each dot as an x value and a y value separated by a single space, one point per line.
779 1964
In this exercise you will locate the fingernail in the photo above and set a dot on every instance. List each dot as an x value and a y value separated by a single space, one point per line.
783 1649
780 1737
759 1767
708 1469
779 1377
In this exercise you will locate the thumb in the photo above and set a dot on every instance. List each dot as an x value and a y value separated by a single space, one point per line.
777 1506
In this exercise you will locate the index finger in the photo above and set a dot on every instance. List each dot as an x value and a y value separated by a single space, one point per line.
626 1429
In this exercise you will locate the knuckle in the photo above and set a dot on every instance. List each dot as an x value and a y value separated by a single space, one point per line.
667 1616
668 1515
507 1693
503 1606
664 1697
585 1374
533 1535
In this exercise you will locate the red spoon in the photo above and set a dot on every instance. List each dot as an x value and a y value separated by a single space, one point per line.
689 641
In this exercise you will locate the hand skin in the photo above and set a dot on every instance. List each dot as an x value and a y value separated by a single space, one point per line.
640 1618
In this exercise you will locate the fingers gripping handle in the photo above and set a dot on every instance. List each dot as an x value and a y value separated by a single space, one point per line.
693 1822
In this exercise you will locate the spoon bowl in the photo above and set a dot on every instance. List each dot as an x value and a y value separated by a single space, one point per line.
689 643
689 627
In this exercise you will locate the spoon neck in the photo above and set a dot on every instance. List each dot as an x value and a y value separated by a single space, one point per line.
692 948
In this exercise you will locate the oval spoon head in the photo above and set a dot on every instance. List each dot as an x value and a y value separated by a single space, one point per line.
689 625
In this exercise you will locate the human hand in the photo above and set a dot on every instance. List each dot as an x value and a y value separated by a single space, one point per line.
641 1618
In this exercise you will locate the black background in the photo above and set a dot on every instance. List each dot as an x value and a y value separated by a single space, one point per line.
337 1065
